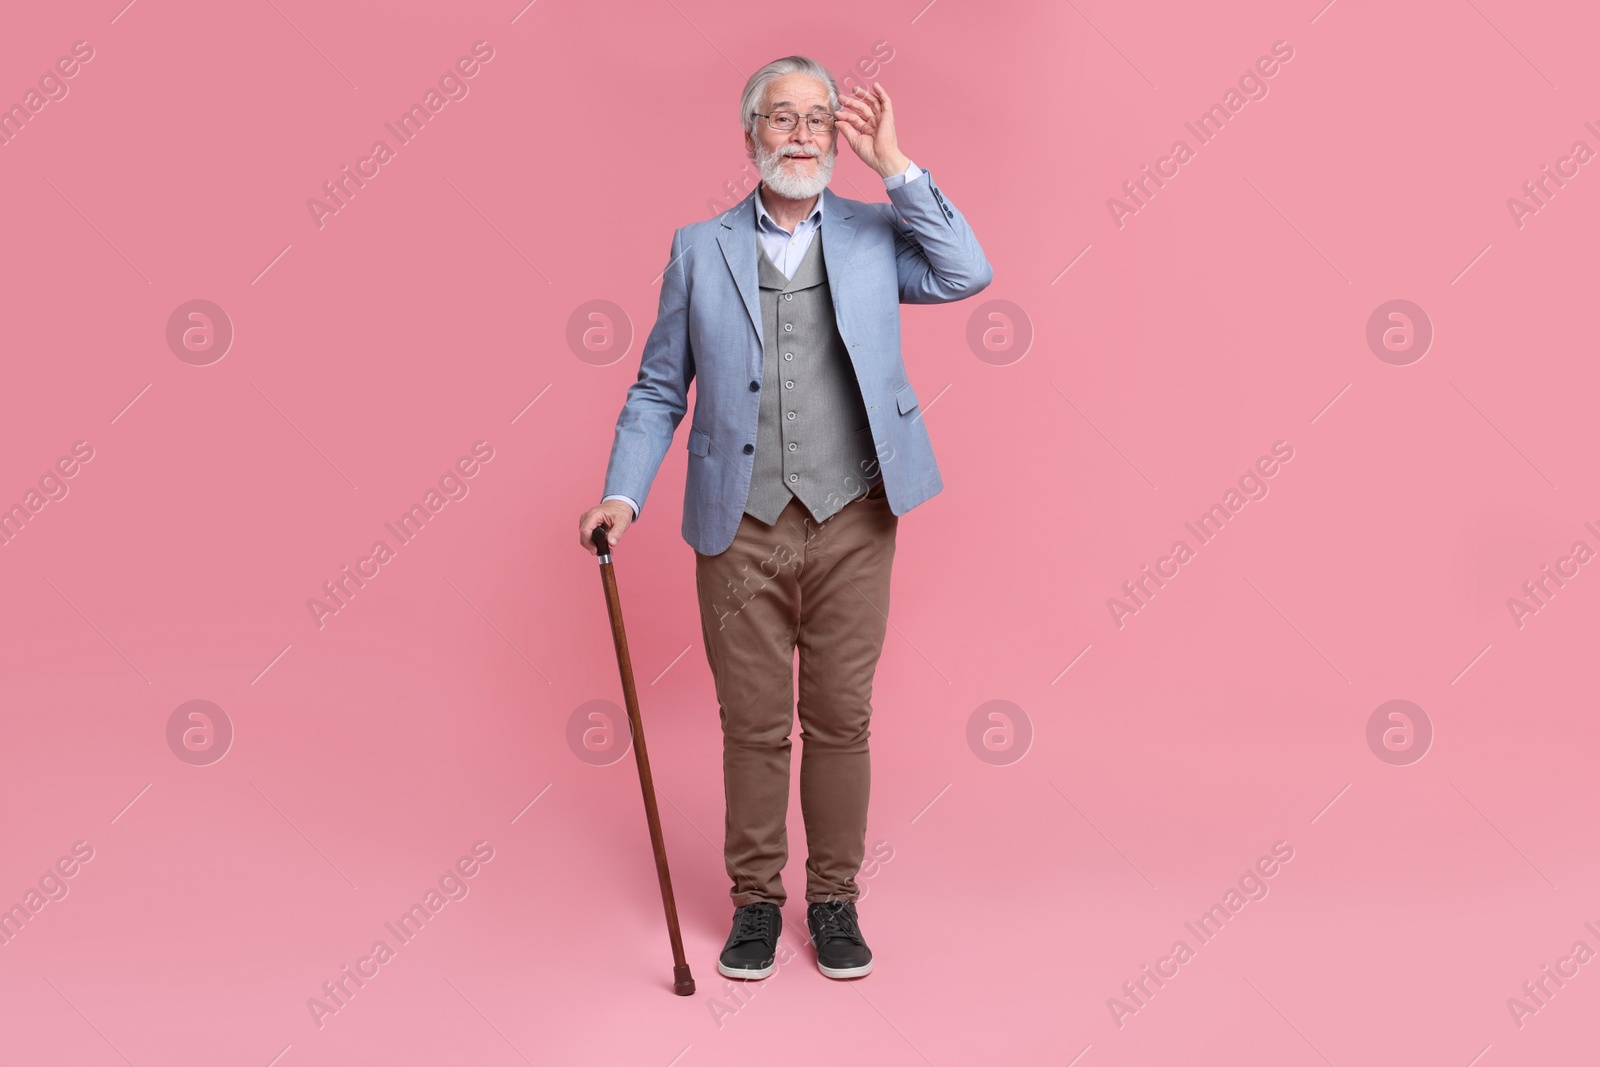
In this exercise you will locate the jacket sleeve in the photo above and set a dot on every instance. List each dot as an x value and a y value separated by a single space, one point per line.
936 252
657 400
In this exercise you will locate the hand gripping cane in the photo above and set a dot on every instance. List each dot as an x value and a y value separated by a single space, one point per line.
682 981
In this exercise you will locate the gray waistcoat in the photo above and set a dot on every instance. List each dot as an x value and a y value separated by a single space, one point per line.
812 440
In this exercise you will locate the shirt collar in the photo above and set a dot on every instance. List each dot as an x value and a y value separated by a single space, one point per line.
762 214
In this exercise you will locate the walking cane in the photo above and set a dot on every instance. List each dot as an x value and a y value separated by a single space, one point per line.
682 981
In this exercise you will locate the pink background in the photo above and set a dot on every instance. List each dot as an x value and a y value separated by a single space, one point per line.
1230 713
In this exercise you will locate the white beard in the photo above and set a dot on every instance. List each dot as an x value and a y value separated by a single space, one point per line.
770 164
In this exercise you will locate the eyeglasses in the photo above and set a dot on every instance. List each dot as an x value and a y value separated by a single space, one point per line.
788 120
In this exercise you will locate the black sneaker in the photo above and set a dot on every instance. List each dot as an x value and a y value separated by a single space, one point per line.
752 945
841 950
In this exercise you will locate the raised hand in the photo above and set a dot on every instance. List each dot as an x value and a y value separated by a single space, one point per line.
866 119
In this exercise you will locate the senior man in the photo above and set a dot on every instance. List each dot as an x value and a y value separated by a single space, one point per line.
806 445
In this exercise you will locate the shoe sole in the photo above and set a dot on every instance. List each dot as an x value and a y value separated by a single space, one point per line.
734 972
842 972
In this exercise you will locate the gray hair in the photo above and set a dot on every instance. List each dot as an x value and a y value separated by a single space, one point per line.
756 87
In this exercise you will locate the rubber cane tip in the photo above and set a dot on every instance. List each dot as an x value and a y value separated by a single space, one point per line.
683 982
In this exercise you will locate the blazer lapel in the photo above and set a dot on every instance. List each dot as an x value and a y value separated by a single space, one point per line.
738 241
838 231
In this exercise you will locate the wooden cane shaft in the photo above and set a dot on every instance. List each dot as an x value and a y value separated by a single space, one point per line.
647 787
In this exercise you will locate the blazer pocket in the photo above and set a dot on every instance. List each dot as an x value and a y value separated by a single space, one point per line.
905 398
699 441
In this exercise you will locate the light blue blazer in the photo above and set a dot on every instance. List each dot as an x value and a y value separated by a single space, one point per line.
917 249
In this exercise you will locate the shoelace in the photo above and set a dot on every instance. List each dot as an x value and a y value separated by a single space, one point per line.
837 920
755 924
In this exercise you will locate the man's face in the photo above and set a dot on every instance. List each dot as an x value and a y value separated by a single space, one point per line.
794 163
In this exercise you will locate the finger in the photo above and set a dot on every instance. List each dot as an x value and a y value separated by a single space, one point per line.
860 123
855 103
885 111
851 128
860 97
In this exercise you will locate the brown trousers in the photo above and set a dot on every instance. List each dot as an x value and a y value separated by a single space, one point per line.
824 587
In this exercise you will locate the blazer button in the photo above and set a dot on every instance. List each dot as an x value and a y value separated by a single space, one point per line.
754 386
749 449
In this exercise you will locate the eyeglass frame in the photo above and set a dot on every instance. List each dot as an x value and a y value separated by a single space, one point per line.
808 116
